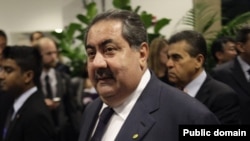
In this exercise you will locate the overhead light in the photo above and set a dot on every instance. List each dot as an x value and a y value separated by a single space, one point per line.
58 30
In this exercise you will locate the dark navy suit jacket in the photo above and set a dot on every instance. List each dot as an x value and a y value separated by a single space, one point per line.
156 115
32 122
221 100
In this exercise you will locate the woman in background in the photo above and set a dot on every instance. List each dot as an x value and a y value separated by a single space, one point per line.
158 58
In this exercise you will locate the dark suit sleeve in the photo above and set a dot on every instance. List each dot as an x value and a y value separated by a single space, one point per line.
39 128
228 107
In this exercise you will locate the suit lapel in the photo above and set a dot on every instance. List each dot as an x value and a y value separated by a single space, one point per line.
136 125
91 118
19 114
203 93
13 123
59 85
140 121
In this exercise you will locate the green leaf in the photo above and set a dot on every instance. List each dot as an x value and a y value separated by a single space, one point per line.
58 36
137 9
91 10
232 26
84 19
160 24
146 19
121 4
73 27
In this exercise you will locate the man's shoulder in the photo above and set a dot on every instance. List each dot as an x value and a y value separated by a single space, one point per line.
218 88
224 67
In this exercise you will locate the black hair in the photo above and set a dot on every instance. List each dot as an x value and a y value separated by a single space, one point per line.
27 58
3 34
196 41
242 35
133 29
217 45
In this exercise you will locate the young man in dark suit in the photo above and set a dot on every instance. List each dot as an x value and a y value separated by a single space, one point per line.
223 49
143 107
5 99
187 55
29 118
236 73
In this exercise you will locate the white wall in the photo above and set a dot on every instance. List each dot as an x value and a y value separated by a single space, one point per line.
20 17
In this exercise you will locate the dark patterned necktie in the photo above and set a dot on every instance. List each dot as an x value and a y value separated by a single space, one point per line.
103 120
48 87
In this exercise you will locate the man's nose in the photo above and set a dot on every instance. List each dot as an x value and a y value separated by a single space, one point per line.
99 61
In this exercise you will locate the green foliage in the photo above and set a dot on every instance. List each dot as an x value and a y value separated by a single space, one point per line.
202 17
146 17
122 4
70 41
233 25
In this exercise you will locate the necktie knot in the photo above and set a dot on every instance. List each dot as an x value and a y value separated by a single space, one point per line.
106 114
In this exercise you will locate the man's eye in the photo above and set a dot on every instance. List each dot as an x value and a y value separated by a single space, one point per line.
8 70
176 57
90 52
109 50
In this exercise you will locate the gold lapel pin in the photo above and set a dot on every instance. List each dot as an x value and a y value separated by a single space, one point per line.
135 136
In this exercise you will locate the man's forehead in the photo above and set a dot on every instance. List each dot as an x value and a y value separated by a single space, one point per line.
7 61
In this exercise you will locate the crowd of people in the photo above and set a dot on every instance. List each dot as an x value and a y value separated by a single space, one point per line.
132 89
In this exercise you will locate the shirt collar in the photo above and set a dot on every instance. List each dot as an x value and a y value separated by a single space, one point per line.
22 98
193 87
245 67
124 109
50 73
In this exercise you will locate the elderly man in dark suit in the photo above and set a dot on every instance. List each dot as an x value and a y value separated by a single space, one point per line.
29 118
134 104
186 59
236 73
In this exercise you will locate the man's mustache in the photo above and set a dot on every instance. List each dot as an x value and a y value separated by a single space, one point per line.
103 74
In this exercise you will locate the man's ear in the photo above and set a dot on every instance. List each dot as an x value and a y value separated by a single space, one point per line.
199 61
28 76
144 52
240 47
219 55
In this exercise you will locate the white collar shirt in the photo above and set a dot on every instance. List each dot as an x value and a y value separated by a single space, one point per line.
193 87
121 112
245 67
21 100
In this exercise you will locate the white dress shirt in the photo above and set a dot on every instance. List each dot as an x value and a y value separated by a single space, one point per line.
245 67
122 112
21 99
193 87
